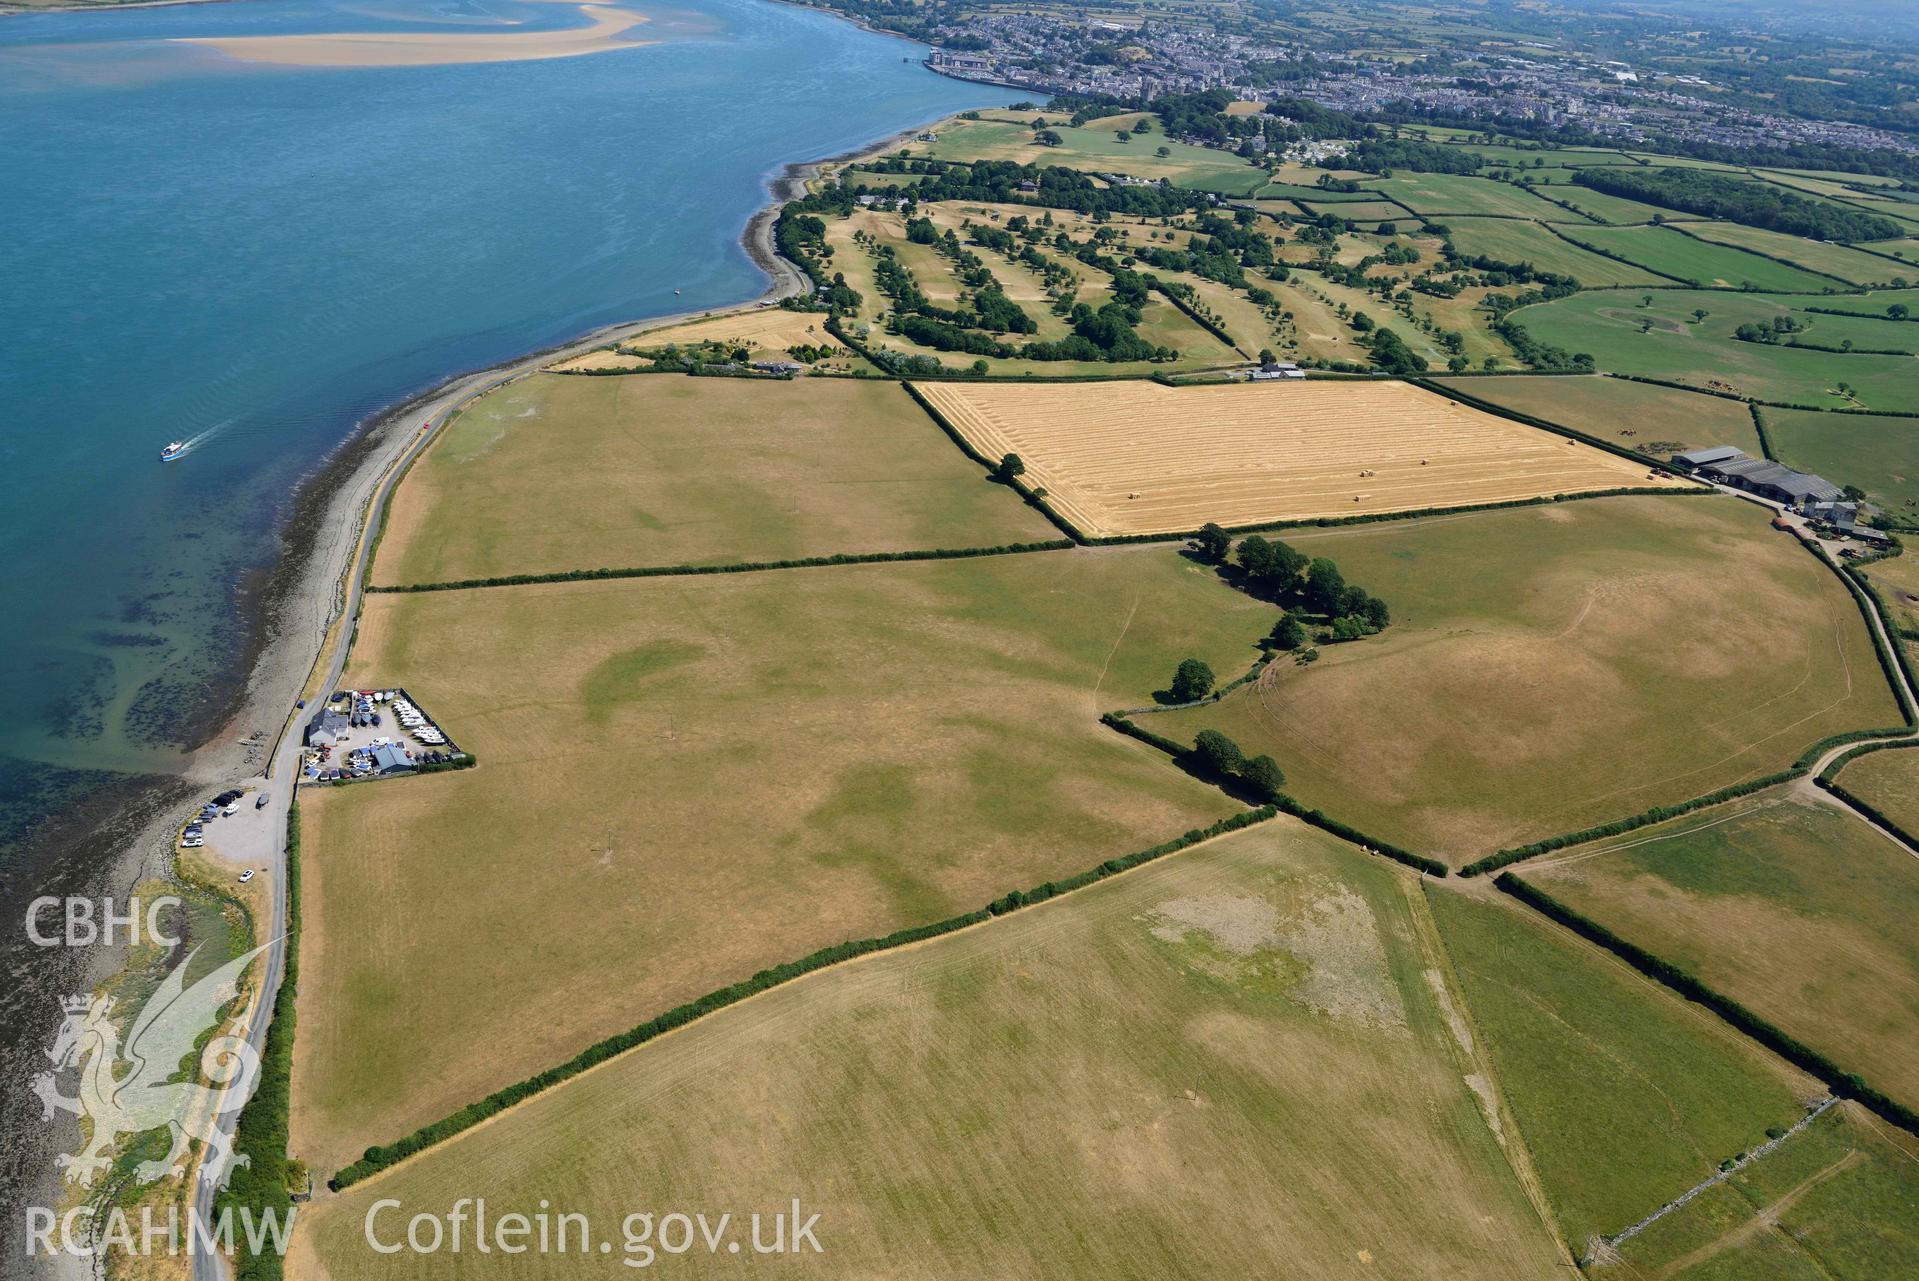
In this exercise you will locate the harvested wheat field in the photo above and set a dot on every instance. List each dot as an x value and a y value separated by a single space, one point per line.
1140 458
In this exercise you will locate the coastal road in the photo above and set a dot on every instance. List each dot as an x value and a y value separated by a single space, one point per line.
416 424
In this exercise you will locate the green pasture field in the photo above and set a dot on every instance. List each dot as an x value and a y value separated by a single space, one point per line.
1907 250
733 771
1624 1095
1545 666
1458 195
1607 325
1674 254
1317 195
1227 1063
1889 780
1879 455
1848 265
560 472
1609 408
1797 910
1096 149
1515 240
1603 205
1366 211
1832 1203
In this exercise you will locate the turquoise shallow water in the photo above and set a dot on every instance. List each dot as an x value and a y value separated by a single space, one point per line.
258 257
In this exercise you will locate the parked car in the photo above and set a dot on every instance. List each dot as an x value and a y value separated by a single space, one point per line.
246 876
260 801
230 810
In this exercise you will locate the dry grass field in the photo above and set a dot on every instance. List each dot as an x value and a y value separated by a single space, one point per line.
1230 1063
685 780
1797 910
1611 408
562 472
1140 458
1550 668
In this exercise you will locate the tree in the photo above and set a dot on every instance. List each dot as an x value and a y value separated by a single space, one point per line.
1141 125
1855 494
1324 583
1266 356
1898 311
1288 634
1212 543
1218 752
1009 467
1699 315
1375 612
1162 152
1263 774
1192 681
1048 138
1255 556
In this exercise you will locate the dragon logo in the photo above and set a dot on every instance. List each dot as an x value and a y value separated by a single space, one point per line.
161 1089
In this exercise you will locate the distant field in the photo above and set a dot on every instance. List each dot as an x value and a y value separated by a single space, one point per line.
1675 254
1611 325
1797 910
1369 211
732 771
1889 782
1624 1095
1609 408
1833 1203
1230 1063
1605 206
1095 148
1129 458
1546 668
1316 195
1880 455
1439 194
556 473
1161 322
1846 264
1515 240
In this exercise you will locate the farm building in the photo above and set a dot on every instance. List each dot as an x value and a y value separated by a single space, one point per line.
325 728
1772 480
1712 454
1841 516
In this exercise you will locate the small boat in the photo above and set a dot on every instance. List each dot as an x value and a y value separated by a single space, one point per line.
173 451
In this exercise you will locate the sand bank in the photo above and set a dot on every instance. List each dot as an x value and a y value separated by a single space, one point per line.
431 48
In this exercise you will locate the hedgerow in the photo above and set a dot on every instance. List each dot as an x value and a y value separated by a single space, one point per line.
262 1187
381 1156
1645 818
745 567
1841 1082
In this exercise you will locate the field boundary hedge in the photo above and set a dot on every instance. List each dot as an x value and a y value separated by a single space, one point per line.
1286 804
1866 808
1837 1079
958 437
262 1128
1772 258
1645 818
742 567
384 1156
1543 424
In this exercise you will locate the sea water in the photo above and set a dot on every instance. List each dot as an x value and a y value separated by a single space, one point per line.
256 257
